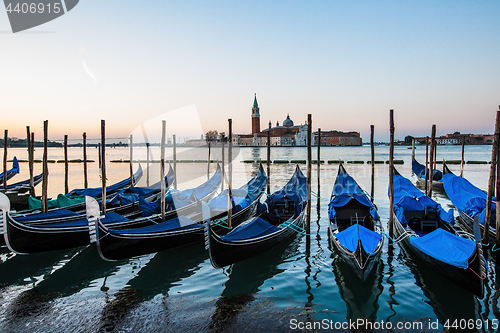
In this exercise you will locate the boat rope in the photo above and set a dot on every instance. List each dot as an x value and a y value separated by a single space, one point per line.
368 195
482 278
147 218
493 248
295 228
399 239
221 225
315 194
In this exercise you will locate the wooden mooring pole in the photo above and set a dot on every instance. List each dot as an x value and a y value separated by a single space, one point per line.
497 135
223 139
372 149
162 168
45 180
147 163
208 164
85 174
131 161
230 176
491 181
463 157
103 165
309 171
431 162
319 158
66 185
5 139
391 174
426 165
269 160
30 159
174 158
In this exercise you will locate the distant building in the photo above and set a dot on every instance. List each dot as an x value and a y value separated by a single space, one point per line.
338 138
456 139
289 134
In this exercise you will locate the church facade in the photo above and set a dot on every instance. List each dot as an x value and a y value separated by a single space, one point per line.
289 134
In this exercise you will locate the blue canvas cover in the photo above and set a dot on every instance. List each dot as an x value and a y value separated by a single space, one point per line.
410 199
419 171
346 189
24 182
97 191
14 169
446 247
179 199
295 190
57 213
108 218
243 196
349 238
253 229
178 223
467 198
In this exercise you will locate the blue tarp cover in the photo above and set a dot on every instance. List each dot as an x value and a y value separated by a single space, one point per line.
419 171
97 191
253 229
446 247
177 223
410 199
24 182
349 238
14 169
295 190
346 189
57 213
108 218
467 197
243 196
179 199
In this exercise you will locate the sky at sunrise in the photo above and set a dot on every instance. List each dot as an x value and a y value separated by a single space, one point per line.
345 62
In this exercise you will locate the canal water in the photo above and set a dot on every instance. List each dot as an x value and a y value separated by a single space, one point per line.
294 285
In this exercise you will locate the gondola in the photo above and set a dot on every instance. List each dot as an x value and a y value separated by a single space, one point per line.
75 199
11 172
280 217
419 170
60 229
354 228
469 200
114 244
23 186
429 232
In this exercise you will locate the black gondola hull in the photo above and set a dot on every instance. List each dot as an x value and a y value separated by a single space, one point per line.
356 259
224 253
120 246
468 279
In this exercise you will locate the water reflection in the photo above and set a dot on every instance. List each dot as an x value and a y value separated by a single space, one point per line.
448 300
245 280
361 298
161 273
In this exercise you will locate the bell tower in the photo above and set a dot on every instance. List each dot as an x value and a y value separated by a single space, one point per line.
255 116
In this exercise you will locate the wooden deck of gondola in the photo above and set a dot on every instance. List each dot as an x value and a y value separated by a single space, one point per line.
469 279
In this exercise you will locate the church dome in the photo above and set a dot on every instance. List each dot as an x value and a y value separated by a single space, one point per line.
288 122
